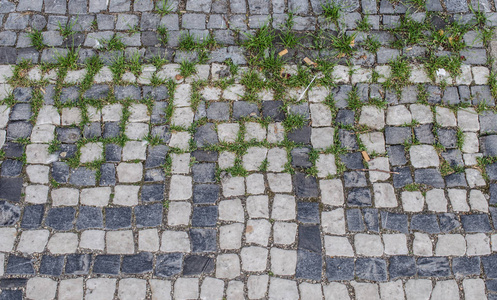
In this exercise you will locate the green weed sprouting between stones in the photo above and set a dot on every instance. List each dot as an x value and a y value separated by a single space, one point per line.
294 121
412 187
345 44
114 43
163 7
163 34
400 73
36 39
363 24
331 11
67 29
452 64
288 37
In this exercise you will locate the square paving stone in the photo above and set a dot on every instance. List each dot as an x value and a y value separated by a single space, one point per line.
97 91
78 264
465 266
403 177
424 134
156 156
453 157
448 222
204 173
348 139
10 189
152 193
11 295
107 175
374 269
13 150
359 197
18 130
113 153
300 158
481 93
305 186
244 109
60 218
22 94
206 135
92 130
51 265
152 175
68 135
83 176
117 217
21 112
338 269
397 135
354 179
13 283
89 217
371 219
352 160
205 156
127 92
429 177
433 267
204 216
69 94
9 213
107 264
345 117
490 265
354 220
300 135
309 265
447 137
203 240
394 221
476 223
197 264
67 151
309 238
111 130
157 93
401 266
425 223
32 216
397 155
18 265
138 263
205 193
274 110
456 180
168 264
219 111
308 212
148 215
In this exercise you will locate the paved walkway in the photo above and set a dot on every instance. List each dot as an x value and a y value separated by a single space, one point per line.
216 149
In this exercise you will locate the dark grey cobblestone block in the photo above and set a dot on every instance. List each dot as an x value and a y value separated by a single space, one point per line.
18 265
374 269
308 212
429 177
433 267
205 193
107 264
466 266
9 213
107 175
89 217
169 264
195 265
309 265
300 158
32 216
425 223
78 264
117 217
476 223
359 197
148 215
401 266
355 222
203 240
83 176
51 265
300 135
137 264
394 221
204 216
352 160
448 222
403 177
11 168
338 269
305 186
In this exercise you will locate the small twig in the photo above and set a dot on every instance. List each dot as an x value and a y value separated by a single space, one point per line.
376 170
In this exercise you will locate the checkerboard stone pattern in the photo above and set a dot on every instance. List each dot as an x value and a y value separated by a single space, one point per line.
156 186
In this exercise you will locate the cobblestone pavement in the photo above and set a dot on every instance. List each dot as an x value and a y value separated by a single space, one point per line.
176 150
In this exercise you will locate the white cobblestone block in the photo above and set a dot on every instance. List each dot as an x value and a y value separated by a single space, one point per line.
421 113
412 201
320 115
180 139
326 165
398 115
136 131
392 290
361 75
42 133
283 207
424 156
333 222
446 289
422 245
275 133
33 241
231 210
480 74
332 192
182 117
227 266
98 196
379 163
310 291
253 158
368 245
254 259
175 241
373 117
63 242
180 163
38 154
233 186
384 195
161 289
436 200
186 288
93 240
284 233
458 199
138 113
234 92
38 173
384 73
257 286
283 289
341 74
374 142
450 244
212 288
467 119
335 291
322 137
71 289
418 289
257 232
471 144
134 150
255 131
395 244
445 117
100 289
7 239
230 236
338 246
126 195
474 288
179 213
129 172
120 242
71 116
180 187
366 291
228 132
4 115
148 240
64 196
39 288
477 244
37 194
318 94
279 182
477 201
474 178
132 288
255 183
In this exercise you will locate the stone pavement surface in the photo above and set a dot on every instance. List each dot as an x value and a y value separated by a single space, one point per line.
168 150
